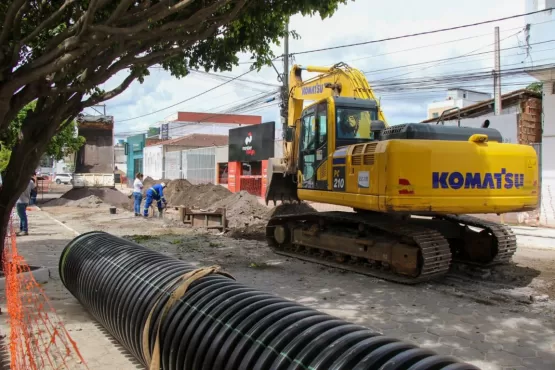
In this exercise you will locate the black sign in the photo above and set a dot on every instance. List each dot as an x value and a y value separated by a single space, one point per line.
164 131
252 143
338 178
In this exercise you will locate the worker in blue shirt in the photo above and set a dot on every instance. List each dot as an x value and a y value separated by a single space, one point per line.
156 192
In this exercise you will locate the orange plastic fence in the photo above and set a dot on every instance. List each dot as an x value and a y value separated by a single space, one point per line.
38 338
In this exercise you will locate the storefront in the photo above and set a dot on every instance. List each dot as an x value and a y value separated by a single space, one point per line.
249 150
134 151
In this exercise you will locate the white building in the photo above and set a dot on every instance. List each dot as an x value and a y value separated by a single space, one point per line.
459 98
186 123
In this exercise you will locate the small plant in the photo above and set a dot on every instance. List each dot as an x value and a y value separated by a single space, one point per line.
259 265
214 244
175 242
141 238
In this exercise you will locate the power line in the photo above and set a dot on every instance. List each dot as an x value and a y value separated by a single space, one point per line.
441 43
257 98
224 77
422 83
467 55
452 58
188 99
419 33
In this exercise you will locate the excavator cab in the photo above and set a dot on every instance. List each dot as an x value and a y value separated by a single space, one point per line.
323 127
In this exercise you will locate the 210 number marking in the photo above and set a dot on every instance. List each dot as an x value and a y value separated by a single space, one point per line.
338 183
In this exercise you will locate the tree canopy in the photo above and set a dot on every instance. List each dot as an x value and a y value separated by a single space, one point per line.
153 131
59 51
536 87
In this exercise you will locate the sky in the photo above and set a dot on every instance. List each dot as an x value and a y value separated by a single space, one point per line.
385 63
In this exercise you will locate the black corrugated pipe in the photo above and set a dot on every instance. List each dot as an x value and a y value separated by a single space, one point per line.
216 323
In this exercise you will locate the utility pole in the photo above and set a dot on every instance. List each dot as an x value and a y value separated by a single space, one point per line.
285 81
497 75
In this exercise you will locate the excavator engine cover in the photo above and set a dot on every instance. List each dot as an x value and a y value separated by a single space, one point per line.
421 131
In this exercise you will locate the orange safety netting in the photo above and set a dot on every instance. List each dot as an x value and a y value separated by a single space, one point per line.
38 338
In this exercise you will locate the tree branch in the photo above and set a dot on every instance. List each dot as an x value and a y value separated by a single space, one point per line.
88 17
121 8
48 22
144 24
10 19
110 94
25 76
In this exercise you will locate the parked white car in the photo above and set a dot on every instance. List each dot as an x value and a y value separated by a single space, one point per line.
63 178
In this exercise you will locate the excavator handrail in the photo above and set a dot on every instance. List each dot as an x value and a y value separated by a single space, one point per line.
440 119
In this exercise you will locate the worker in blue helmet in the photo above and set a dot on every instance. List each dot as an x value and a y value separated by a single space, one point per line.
156 192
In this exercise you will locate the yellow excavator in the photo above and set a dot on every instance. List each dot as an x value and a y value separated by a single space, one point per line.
409 188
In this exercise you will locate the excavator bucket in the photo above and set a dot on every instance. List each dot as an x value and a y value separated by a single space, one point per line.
282 186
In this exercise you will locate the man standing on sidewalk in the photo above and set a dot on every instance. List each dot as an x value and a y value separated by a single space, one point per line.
21 207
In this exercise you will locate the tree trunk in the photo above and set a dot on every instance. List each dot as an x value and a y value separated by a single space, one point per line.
25 157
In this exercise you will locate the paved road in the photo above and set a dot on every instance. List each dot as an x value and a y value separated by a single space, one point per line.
489 336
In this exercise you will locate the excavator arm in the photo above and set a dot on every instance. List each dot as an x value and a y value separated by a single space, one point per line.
338 80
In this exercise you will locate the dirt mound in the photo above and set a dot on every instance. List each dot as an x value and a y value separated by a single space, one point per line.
148 182
92 201
176 190
290 209
242 209
89 196
201 196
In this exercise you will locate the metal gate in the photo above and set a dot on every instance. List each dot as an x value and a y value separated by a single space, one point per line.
173 165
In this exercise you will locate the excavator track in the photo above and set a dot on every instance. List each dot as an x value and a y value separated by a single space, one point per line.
495 244
380 231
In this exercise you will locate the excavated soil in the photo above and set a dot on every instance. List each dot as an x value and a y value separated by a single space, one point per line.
91 198
246 216
198 196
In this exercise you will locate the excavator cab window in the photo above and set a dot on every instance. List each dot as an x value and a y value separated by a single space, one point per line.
308 146
354 125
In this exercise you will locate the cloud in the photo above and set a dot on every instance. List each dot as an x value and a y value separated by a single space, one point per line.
361 21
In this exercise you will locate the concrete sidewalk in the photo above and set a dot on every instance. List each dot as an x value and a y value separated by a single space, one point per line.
42 247
535 237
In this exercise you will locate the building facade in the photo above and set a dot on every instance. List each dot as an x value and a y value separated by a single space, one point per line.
459 98
134 151
187 123
162 159
547 77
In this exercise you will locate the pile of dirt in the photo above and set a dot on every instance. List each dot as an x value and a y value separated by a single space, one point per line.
242 209
176 190
290 209
92 201
200 196
86 197
148 182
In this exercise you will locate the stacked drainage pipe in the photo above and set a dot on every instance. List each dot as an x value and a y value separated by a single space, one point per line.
215 322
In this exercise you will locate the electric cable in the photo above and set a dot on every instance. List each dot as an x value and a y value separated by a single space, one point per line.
419 33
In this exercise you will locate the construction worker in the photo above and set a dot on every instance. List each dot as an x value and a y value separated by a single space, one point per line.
138 193
156 192
21 208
